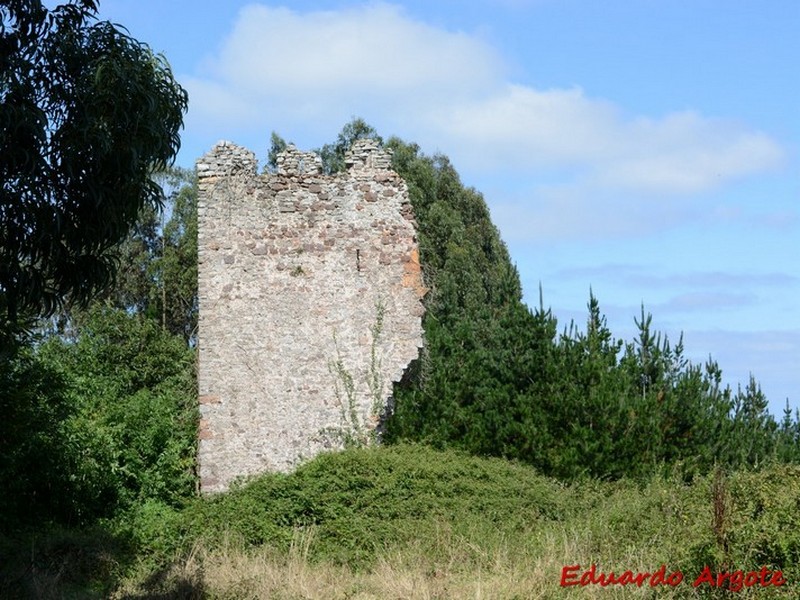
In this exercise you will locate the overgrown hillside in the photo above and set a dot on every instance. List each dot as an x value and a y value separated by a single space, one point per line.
413 522
604 451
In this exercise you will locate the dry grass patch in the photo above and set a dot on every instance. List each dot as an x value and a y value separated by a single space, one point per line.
454 571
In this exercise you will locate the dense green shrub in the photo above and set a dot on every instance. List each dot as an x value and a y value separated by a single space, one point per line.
96 423
34 441
132 386
360 501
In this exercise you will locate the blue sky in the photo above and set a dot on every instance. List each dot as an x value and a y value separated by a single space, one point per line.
648 149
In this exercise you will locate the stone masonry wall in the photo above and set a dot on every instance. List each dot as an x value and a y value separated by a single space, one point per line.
296 269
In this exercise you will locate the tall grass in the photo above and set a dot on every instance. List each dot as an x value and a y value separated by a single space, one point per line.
412 522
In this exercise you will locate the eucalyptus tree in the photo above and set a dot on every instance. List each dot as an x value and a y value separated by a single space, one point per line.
87 115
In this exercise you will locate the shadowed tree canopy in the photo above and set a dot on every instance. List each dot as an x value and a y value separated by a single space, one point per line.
157 275
87 114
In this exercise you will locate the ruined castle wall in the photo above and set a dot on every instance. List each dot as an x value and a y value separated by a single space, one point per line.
295 270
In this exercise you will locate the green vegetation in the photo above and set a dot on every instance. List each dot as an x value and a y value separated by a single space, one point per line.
87 114
516 447
157 262
498 379
450 516
412 522
356 430
100 405
95 425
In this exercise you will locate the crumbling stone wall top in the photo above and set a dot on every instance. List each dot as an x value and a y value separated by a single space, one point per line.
367 155
294 162
226 158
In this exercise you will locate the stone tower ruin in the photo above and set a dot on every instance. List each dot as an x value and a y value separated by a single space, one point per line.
310 305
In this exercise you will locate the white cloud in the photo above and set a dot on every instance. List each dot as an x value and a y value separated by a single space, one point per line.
448 91
679 153
685 152
520 126
583 211
351 56
705 301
